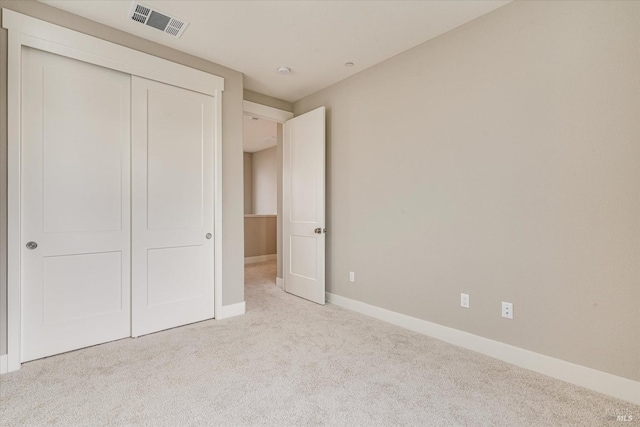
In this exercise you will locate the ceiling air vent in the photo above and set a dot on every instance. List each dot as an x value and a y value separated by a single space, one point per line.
165 23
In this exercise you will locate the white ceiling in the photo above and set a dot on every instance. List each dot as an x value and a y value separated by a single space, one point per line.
258 134
313 38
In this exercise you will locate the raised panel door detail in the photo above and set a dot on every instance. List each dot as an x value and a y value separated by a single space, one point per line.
174 161
81 286
175 274
82 152
303 257
303 164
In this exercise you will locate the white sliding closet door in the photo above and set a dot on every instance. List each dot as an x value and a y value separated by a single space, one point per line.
75 195
172 182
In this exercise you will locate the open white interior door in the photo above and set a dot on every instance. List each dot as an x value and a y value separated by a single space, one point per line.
303 182
172 186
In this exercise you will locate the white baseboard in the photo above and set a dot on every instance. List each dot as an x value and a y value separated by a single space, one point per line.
602 382
260 258
231 310
4 364
280 282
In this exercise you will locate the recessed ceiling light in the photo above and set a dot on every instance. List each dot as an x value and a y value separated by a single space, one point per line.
284 70
349 64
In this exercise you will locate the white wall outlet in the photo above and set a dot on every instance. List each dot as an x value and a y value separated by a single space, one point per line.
464 300
507 310
352 276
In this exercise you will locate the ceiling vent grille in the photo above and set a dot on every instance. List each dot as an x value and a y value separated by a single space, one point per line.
153 18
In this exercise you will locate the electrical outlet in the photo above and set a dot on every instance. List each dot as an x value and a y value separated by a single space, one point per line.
464 300
507 310
352 276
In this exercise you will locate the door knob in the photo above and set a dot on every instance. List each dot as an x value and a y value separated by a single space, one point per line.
318 231
32 245
208 236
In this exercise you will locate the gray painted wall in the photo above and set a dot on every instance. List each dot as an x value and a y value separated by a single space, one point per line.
501 159
3 188
265 181
248 182
233 220
279 228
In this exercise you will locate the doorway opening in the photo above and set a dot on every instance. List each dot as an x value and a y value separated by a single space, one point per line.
300 197
263 129
260 170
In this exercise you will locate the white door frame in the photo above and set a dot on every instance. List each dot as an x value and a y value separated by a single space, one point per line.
279 116
31 32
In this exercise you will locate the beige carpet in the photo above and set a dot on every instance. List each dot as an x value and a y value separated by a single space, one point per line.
290 362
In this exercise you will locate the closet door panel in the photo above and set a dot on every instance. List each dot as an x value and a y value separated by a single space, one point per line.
175 162
173 135
75 204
